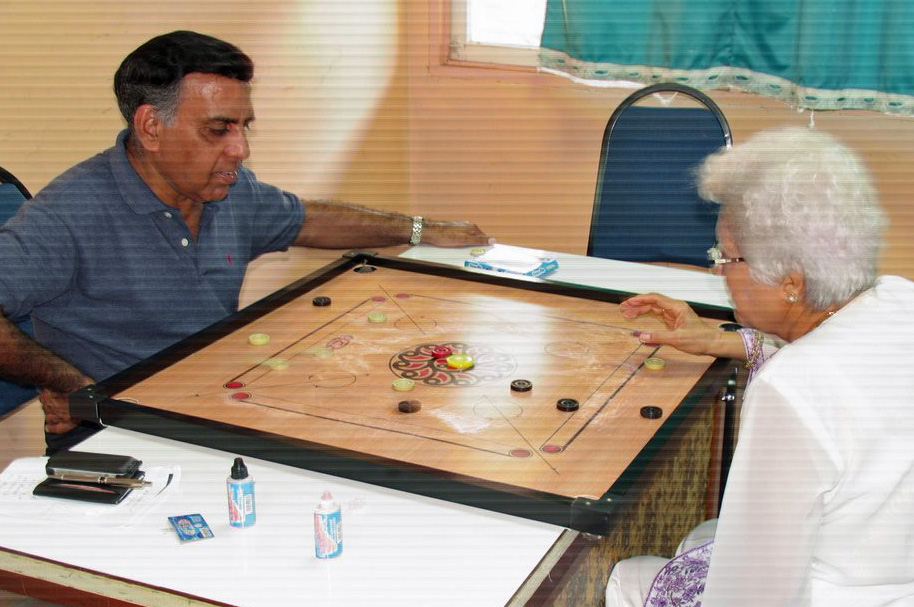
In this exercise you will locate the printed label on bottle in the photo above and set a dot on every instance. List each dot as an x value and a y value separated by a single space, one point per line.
241 504
328 534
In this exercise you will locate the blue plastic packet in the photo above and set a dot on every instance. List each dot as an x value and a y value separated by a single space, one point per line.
190 527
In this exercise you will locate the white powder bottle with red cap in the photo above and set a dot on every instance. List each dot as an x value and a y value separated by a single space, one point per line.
328 528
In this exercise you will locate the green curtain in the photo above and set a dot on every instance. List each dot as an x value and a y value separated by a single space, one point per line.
815 54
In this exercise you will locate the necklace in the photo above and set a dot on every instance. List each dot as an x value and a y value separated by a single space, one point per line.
828 314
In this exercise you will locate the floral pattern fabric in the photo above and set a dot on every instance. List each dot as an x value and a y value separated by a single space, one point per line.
681 582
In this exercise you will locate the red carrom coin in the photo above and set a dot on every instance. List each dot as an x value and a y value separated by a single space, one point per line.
441 352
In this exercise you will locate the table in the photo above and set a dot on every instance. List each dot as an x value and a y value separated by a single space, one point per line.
398 548
659 498
699 287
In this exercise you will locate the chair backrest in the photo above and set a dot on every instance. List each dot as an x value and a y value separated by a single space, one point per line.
12 194
646 206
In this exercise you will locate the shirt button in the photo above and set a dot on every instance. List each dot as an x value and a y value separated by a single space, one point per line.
184 242
168 214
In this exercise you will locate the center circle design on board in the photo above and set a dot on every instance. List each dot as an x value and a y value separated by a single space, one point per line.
420 365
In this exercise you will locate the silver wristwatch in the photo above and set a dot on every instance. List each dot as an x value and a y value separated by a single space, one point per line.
416 236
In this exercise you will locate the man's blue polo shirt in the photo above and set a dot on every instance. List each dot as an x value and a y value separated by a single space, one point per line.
111 275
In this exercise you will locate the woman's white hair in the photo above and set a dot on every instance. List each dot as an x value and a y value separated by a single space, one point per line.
798 200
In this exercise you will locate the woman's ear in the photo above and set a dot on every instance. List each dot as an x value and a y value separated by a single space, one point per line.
793 287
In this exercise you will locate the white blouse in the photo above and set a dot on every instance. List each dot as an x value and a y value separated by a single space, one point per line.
819 504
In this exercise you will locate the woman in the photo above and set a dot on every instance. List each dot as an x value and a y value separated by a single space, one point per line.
819 504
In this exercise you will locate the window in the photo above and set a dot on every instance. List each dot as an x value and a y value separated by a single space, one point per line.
497 31
507 33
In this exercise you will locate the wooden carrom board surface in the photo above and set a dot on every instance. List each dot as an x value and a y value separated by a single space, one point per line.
326 378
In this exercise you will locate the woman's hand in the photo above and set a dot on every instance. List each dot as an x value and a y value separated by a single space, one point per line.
685 330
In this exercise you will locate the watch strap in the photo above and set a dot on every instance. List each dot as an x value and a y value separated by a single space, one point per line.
416 235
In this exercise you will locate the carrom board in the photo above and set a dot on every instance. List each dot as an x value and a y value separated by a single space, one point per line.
322 393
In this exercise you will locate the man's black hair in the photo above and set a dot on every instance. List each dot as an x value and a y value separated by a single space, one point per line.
152 73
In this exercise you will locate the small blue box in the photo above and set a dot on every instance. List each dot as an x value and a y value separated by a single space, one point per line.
511 262
190 527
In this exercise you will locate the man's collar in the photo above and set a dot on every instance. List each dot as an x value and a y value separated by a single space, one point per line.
133 189
136 193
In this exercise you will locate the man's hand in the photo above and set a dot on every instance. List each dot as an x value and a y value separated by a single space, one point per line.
57 418
454 234
56 409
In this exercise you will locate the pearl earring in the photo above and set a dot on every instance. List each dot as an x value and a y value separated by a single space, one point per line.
792 298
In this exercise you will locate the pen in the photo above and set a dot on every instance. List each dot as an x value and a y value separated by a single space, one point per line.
114 481
83 487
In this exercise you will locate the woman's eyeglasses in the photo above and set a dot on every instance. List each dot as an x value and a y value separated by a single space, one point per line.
716 257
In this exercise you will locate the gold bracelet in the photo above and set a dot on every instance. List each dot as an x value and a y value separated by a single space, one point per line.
756 351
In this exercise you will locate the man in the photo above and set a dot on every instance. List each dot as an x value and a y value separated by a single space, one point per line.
148 242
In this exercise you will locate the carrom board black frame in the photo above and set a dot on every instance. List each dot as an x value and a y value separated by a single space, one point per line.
591 514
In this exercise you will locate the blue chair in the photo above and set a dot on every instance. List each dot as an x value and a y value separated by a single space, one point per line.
12 194
646 206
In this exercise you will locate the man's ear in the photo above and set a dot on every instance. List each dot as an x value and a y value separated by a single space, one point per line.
146 127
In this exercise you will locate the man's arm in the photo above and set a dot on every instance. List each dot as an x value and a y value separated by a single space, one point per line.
25 361
336 225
